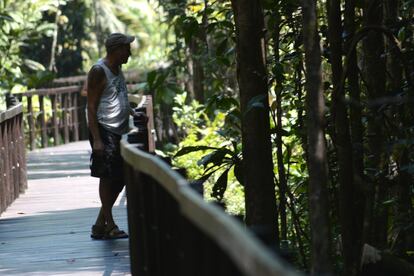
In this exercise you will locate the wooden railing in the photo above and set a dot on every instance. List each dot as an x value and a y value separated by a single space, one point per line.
173 231
62 124
13 179
66 122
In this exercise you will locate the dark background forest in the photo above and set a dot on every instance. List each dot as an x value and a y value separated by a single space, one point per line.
296 116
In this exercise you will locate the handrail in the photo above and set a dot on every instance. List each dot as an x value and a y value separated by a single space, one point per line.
144 102
13 179
53 90
245 250
167 218
67 121
10 113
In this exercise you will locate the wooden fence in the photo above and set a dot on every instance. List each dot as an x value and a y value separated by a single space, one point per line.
59 126
13 178
57 114
173 231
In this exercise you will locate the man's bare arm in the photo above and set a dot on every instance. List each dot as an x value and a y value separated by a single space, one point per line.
96 85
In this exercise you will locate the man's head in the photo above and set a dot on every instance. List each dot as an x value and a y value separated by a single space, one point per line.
118 46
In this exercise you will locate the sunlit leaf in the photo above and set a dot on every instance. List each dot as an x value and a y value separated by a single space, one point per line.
220 186
34 65
187 150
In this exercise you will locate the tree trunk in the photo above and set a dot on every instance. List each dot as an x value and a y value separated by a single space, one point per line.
374 72
317 161
97 27
354 91
257 150
402 209
197 69
349 199
279 127
52 63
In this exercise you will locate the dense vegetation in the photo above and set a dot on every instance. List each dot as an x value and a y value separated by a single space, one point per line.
296 116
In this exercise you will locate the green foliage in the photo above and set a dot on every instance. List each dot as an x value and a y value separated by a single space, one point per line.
20 23
208 155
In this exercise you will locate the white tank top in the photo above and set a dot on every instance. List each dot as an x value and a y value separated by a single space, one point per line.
113 109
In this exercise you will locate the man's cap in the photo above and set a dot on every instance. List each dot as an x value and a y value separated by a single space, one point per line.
115 40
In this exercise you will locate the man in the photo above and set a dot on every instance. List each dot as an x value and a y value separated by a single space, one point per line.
108 115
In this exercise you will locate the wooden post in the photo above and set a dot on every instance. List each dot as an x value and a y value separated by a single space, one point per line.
43 122
14 154
69 116
55 120
22 155
83 127
30 115
65 118
75 119
150 126
2 170
7 163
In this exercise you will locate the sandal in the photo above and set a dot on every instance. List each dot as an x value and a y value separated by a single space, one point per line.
115 233
98 232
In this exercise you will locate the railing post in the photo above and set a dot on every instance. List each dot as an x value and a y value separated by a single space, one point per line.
3 192
83 128
55 120
43 122
136 219
75 119
150 125
31 123
14 154
8 164
65 104
22 155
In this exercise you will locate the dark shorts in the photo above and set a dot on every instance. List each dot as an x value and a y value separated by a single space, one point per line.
108 164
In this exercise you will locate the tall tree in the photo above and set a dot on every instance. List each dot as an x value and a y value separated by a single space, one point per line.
374 75
404 120
197 47
349 215
257 151
317 161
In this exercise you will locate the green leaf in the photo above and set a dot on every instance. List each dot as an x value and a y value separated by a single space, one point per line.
238 171
187 150
205 177
34 65
151 77
220 186
5 16
222 47
216 157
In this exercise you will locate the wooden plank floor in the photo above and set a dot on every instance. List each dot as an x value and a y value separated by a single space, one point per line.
46 230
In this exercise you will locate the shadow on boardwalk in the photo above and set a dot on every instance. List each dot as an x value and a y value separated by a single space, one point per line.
46 231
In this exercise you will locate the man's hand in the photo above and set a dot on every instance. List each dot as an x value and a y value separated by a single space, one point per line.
98 147
140 117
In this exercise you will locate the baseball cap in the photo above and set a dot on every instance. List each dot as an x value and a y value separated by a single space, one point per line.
115 40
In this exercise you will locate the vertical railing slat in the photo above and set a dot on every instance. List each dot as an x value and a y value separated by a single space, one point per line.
22 155
75 117
65 104
43 127
3 195
55 124
31 119
8 165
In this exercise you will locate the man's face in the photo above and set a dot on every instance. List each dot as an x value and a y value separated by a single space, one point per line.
124 52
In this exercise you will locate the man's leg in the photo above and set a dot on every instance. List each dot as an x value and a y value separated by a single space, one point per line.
108 194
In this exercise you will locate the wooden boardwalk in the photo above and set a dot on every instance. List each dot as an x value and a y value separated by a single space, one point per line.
46 230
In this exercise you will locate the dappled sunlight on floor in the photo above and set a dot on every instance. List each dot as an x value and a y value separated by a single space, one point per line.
46 230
